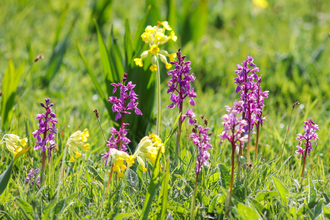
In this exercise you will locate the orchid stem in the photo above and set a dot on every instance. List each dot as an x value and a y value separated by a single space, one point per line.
248 150
232 177
257 141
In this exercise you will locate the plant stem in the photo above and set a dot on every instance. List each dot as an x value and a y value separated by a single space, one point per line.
232 176
108 185
178 135
192 206
43 161
122 123
257 141
158 100
248 150
61 173
304 161
240 153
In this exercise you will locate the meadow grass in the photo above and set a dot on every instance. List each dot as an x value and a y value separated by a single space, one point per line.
290 44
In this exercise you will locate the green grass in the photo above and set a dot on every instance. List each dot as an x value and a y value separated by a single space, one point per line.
290 44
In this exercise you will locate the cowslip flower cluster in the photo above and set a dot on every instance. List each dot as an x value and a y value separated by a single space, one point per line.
148 148
47 131
155 36
233 126
180 84
201 139
77 141
127 100
310 129
118 157
11 141
31 176
118 137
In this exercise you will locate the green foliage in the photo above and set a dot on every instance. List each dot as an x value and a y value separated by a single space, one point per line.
5 176
289 41
114 66
9 86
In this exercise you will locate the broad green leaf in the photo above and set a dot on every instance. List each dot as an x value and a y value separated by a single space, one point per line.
247 213
282 190
326 210
137 42
117 62
260 208
122 216
154 15
213 204
56 58
104 59
171 18
5 176
198 21
95 82
60 25
225 175
46 213
265 195
311 191
128 43
214 177
9 86
318 210
26 208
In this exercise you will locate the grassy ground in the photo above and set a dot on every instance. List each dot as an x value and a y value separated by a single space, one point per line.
290 44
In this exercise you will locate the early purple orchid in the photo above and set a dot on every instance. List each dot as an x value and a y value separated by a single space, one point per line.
310 129
127 101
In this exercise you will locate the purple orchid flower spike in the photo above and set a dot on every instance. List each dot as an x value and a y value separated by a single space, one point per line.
125 104
181 89
310 129
127 101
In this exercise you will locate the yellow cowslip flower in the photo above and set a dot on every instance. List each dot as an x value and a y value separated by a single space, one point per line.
148 148
118 157
260 3
77 140
155 36
11 143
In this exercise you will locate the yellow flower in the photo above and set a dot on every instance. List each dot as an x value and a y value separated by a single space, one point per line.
165 25
153 67
76 142
173 37
172 56
168 66
260 3
118 157
138 62
154 49
148 148
11 141
155 36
